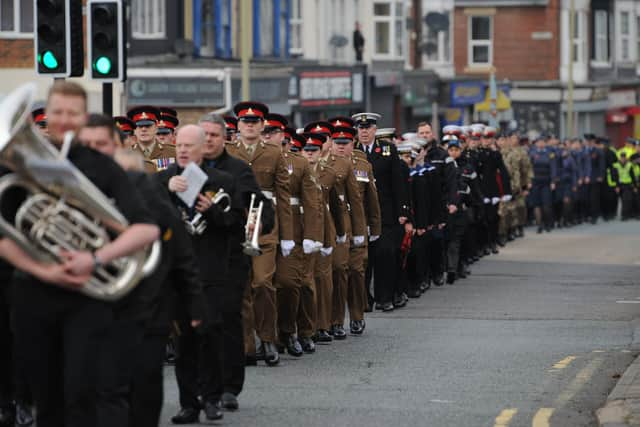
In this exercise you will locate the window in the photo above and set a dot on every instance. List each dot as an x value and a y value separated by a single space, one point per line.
436 44
388 19
578 37
16 18
148 19
600 36
480 42
625 35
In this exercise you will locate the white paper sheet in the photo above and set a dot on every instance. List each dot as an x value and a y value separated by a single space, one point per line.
195 180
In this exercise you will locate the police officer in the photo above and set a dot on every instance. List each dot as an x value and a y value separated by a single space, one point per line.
269 167
145 119
394 207
627 184
545 176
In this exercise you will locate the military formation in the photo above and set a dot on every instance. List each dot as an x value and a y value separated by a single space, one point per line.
275 239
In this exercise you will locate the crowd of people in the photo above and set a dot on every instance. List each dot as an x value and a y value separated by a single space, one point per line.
350 218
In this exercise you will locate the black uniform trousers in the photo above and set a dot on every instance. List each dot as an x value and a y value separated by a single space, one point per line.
456 227
58 337
594 199
147 386
233 357
385 262
435 245
417 262
198 364
626 199
493 221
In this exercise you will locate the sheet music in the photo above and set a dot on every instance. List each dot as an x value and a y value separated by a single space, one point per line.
195 180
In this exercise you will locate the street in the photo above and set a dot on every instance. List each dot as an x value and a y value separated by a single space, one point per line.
537 335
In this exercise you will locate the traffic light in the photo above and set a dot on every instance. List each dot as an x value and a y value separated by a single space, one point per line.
59 49
106 39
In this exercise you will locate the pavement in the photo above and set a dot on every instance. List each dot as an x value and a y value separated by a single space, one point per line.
538 335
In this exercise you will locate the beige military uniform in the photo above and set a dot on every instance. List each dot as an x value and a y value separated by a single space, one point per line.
290 271
357 295
159 154
270 170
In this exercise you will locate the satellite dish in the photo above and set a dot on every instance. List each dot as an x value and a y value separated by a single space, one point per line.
437 21
338 41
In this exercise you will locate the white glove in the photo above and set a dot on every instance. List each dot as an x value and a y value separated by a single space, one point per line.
341 239
486 200
373 238
358 240
317 246
506 198
326 251
286 246
308 246
368 231
495 200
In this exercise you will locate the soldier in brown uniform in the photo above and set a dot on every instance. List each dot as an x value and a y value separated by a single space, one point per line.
352 212
167 124
291 270
333 225
357 296
145 119
269 167
231 127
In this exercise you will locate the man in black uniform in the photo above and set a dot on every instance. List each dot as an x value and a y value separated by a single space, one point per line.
131 380
199 364
216 156
394 207
58 329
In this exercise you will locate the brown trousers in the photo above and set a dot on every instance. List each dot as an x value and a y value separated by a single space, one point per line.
288 281
324 291
340 282
259 310
357 293
307 311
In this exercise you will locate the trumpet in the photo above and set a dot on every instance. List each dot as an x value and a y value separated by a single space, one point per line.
251 246
198 224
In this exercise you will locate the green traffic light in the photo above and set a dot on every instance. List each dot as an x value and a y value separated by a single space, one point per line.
103 65
49 60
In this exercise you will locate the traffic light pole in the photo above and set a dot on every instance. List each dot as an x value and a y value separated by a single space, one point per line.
107 98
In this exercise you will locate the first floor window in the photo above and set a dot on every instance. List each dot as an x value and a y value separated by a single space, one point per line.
480 40
16 16
148 19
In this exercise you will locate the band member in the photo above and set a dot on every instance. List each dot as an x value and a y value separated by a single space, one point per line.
39 118
145 119
167 125
131 380
357 295
216 156
56 326
270 169
291 270
393 206
198 366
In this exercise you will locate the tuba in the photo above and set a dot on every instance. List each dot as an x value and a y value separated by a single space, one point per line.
60 209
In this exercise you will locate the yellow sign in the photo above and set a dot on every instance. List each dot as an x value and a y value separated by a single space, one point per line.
502 102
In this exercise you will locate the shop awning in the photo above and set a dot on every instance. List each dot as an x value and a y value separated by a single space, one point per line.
502 102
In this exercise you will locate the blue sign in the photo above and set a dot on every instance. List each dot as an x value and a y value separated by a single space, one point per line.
467 93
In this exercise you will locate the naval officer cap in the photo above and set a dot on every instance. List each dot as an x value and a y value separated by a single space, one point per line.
386 133
452 130
366 120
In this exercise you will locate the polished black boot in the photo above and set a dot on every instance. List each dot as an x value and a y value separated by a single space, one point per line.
187 416
271 355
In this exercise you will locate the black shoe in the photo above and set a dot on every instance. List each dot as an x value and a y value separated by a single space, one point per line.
451 277
229 401
414 293
24 416
438 281
186 416
338 332
539 230
293 346
511 237
520 231
502 242
486 252
400 301
212 411
494 249
323 336
379 306
271 356
7 416
387 306
461 274
357 327
308 346
424 286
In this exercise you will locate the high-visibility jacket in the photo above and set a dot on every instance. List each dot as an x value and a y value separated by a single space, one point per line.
625 172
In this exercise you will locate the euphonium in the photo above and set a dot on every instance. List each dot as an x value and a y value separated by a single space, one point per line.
198 224
62 209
